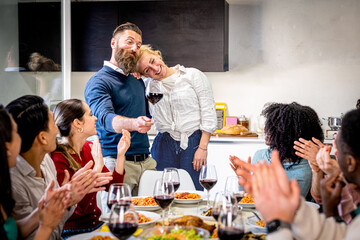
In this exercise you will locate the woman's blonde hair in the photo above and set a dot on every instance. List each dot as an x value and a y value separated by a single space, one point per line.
148 49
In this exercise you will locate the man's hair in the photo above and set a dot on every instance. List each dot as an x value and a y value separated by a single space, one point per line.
31 115
286 123
127 26
348 140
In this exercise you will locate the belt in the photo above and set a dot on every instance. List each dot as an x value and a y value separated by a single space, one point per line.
137 157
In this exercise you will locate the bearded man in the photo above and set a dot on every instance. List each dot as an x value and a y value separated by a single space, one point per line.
117 99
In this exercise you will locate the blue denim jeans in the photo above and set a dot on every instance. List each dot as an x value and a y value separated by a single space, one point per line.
167 153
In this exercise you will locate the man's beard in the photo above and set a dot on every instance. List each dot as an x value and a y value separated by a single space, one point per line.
125 60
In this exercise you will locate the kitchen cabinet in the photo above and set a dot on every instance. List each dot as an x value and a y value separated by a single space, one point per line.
220 148
193 33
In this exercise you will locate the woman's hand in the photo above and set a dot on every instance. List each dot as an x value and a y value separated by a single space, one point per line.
243 170
325 162
97 155
308 149
200 157
124 142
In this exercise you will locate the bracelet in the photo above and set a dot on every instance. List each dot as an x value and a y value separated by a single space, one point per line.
205 149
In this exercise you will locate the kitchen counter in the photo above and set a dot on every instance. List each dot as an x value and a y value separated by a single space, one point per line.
227 139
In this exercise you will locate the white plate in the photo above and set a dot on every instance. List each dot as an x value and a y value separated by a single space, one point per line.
86 236
317 206
190 201
146 208
154 217
254 227
247 205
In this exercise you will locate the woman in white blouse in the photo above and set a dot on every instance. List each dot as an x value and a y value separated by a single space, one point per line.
185 117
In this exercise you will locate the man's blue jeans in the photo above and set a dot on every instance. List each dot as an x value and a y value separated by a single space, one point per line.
167 153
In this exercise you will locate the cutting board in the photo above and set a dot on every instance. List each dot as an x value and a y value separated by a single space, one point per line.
232 135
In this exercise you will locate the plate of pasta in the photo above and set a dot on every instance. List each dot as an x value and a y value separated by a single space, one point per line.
145 204
257 226
247 201
145 217
188 197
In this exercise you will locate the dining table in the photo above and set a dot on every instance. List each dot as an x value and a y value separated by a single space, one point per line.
178 209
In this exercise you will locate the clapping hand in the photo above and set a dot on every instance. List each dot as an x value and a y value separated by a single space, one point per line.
327 164
330 190
275 197
308 149
243 170
97 155
124 142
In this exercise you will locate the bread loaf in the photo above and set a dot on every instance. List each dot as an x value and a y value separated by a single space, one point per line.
234 129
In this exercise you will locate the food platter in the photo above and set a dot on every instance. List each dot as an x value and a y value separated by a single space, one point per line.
189 201
254 227
145 208
247 205
154 217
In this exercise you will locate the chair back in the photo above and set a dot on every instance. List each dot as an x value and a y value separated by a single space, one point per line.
186 183
147 182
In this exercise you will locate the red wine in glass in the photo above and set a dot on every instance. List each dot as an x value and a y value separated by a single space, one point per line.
208 183
216 214
239 196
154 97
176 186
230 233
125 203
123 230
163 200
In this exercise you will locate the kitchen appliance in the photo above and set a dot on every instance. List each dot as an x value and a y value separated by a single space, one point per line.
330 134
334 123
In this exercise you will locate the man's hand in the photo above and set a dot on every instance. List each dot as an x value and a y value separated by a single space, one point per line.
200 157
53 210
243 170
331 193
325 162
142 124
308 149
275 197
97 155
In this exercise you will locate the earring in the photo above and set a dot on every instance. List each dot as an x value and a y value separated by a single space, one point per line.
80 130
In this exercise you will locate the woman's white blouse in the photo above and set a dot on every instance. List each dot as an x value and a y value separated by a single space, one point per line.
187 105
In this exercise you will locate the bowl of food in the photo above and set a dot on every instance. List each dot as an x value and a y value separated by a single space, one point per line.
175 232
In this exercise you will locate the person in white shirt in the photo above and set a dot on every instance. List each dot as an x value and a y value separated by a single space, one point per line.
185 116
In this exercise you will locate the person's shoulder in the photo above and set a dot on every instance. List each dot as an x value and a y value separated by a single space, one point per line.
259 155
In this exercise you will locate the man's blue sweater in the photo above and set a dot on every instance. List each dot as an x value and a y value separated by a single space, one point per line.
110 93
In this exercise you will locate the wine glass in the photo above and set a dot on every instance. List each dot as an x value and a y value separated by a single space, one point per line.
223 200
172 175
232 186
208 179
119 193
153 92
230 225
163 195
123 221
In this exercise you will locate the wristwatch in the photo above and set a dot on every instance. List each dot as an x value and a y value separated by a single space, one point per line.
276 225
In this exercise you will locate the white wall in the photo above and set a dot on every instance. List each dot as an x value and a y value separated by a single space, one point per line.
299 50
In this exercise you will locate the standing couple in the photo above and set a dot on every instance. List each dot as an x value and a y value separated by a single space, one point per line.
185 117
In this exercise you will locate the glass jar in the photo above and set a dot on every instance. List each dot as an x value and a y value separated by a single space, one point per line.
243 121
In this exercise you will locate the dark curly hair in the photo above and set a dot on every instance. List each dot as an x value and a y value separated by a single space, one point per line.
348 140
286 123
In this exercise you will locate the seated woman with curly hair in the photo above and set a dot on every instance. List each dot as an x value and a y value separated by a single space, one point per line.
286 123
